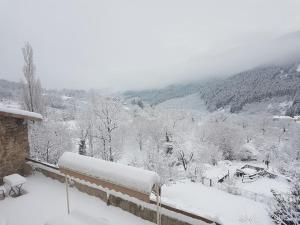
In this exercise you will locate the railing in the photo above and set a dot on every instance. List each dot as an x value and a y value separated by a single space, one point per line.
186 213
42 163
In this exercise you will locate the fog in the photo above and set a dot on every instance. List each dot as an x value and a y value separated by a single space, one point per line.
138 44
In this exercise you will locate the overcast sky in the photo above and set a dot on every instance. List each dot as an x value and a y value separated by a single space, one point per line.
127 44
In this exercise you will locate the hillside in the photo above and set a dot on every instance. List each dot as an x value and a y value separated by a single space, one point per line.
9 89
255 85
156 96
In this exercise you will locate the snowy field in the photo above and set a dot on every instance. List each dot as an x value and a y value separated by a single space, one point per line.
264 185
214 203
46 199
191 103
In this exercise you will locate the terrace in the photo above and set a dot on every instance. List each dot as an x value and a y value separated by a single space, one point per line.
45 200
90 202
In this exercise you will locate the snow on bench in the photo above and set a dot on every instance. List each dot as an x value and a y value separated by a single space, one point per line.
77 218
132 178
14 180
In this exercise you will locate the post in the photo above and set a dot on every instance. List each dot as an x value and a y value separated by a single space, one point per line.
157 204
67 192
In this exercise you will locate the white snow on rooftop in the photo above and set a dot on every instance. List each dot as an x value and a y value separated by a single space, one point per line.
20 112
127 176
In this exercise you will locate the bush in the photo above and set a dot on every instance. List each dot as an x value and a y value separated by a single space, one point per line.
286 209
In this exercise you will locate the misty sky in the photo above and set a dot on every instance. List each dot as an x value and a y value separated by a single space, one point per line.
128 44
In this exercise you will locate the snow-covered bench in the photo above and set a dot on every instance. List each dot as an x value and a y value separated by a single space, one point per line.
15 183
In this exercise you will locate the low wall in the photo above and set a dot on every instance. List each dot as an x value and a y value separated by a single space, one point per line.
138 208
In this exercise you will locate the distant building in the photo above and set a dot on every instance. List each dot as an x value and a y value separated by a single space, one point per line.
14 145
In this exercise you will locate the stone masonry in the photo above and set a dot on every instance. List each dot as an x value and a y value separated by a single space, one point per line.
14 146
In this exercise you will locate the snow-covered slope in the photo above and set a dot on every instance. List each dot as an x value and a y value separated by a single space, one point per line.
251 86
191 103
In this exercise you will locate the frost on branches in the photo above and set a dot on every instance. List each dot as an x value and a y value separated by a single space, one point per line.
286 208
48 140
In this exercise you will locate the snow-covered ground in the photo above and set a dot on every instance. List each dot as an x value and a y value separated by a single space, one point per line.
214 203
10 104
261 185
46 199
191 103
264 185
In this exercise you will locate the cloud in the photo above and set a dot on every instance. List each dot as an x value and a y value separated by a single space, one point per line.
135 44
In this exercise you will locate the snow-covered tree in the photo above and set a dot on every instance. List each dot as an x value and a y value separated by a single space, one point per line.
182 151
107 112
286 208
141 133
85 126
32 98
49 140
222 132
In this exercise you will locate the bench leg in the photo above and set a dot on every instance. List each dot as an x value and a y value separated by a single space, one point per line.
3 194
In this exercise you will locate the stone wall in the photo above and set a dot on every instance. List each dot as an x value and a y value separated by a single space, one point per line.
14 146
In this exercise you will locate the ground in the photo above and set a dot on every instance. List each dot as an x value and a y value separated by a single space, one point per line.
228 208
214 203
46 199
264 185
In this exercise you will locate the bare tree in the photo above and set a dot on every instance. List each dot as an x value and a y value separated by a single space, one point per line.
32 90
107 118
140 131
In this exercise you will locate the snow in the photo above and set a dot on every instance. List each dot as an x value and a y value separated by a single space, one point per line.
298 68
14 180
250 148
65 98
210 202
215 173
264 185
249 171
20 112
191 103
46 200
134 178
221 169
283 118
9 104
78 218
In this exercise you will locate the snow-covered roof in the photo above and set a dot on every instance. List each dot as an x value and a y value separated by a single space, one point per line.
126 176
18 113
